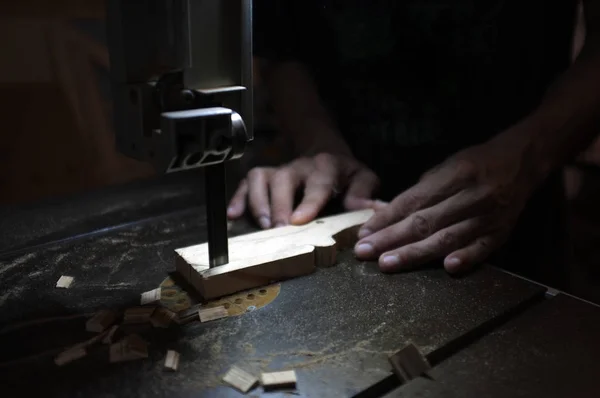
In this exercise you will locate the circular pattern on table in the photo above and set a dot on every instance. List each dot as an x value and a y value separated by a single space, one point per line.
177 299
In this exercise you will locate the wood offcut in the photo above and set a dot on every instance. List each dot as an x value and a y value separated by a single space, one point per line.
100 321
112 335
211 314
70 355
150 297
409 363
267 256
138 315
240 379
278 380
172 360
130 348
64 282
162 317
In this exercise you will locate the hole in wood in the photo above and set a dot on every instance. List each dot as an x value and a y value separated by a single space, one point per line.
263 291
226 305
250 296
238 301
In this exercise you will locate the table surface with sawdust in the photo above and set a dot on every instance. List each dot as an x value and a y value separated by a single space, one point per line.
335 327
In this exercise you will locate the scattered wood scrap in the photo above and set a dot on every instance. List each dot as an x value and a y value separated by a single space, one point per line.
138 314
162 317
211 314
151 297
113 335
409 363
277 380
64 282
264 257
70 355
240 379
188 315
130 348
172 360
100 321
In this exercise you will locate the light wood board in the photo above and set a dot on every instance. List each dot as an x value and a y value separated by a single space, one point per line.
271 255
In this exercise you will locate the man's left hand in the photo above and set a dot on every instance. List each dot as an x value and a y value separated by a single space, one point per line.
461 211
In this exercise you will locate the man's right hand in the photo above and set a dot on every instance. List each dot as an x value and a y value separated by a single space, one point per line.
269 192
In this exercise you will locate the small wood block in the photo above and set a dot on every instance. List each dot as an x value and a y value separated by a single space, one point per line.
189 314
136 344
240 379
97 338
151 297
211 314
409 363
172 360
130 348
162 317
267 256
112 335
70 355
138 314
275 380
100 321
64 282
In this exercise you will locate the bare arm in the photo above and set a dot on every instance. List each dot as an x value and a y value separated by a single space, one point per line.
568 118
299 111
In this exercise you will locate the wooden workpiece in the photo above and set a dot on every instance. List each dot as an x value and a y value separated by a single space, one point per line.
277 380
64 282
100 321
263 257
172 360
409 363
240 379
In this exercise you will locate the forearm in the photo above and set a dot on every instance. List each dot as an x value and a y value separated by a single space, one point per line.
567 119
300 114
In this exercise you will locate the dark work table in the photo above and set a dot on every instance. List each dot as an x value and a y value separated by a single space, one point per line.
486 333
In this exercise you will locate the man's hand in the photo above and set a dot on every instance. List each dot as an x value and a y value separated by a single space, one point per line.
271 191
461 211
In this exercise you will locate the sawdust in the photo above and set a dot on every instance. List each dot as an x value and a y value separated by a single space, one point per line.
155 243
216 348
41 272
248 348
4 297
16 291
60 257
115 286
112 241
7 266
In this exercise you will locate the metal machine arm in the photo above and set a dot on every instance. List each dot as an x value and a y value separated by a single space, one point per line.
181 73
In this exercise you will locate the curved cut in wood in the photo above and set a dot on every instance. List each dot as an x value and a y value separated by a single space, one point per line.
267 256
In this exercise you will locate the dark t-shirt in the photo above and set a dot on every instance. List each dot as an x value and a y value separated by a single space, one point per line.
411 81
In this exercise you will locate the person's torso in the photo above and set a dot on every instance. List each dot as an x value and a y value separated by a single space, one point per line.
419 73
